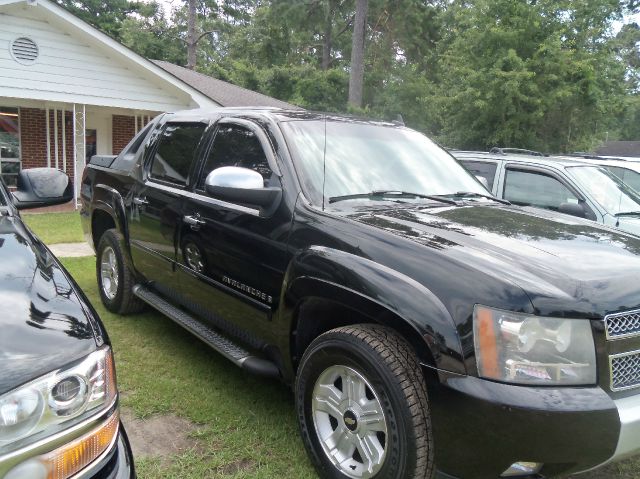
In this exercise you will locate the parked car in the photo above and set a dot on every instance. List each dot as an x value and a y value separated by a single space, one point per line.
626 170
424 324
58 398
572 186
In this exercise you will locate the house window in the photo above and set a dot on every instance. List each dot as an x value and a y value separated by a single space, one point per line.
9 145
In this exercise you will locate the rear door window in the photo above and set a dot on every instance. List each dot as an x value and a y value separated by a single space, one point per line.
484 169
532 188
175 153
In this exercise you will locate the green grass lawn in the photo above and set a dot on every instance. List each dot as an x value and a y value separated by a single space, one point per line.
246 425
54 228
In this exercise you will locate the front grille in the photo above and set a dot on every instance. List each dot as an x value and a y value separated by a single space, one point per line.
623 325
625 371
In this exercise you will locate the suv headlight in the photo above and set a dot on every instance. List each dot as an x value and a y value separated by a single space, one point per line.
57 400
525 349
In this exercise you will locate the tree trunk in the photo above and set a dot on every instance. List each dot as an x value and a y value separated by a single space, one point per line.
327 40
191 36
356 75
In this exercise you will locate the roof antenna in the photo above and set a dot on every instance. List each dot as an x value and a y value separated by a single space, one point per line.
324 160
399 120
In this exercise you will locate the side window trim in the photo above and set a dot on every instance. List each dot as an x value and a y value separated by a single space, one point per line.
154 141
184 193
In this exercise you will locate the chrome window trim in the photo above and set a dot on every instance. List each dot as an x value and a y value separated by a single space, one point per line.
617 356
50 443
203 198
617 315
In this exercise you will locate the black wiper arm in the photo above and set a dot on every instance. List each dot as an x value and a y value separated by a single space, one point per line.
628 213
462 194
375 193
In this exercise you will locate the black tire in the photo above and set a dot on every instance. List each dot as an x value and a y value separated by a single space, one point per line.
122 300
394 383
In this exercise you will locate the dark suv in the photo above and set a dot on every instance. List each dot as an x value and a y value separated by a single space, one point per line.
59 413
424 324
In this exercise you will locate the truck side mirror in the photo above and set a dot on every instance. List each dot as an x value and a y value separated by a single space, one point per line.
573 209
241 185
42 187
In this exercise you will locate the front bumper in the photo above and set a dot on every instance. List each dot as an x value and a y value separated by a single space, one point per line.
629 439
481 428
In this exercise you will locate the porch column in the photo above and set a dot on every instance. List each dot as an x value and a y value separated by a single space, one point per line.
79 148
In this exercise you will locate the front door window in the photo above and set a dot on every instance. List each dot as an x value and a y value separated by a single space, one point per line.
532 188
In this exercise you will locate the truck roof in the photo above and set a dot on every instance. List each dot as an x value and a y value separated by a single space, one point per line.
537 160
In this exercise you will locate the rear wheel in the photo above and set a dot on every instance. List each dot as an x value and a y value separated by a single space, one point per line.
115 279
362 406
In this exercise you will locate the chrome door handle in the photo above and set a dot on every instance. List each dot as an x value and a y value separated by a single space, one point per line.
193 221
140 201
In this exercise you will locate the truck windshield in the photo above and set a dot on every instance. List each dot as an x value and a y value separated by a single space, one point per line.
363 158
608 190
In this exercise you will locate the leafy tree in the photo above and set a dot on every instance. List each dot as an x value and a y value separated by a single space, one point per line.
106 15
529 74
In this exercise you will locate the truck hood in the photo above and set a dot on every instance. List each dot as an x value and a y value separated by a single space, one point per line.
567 266
44 324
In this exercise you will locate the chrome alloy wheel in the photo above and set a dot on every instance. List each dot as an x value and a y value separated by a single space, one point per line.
109 273
193 257
349 421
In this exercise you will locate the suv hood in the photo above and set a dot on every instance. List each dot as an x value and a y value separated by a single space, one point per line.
566 266
44 324
630 224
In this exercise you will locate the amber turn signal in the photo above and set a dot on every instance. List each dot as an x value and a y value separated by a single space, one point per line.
486 338
71 458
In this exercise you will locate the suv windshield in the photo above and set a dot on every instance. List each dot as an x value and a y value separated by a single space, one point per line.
364 158
607 189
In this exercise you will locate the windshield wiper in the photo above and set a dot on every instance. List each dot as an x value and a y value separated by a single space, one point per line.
462 194
397 193
628 213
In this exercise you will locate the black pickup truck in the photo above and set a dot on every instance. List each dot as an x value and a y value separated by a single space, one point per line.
426 327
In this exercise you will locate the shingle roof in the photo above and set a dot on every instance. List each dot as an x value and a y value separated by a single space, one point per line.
619 148
222 92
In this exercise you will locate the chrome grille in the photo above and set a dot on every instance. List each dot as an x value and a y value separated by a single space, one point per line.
623 325
625 371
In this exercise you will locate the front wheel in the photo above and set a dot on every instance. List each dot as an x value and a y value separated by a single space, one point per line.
362 406
115 279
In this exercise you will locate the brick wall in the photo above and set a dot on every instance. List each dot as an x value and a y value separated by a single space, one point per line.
33 138
123 129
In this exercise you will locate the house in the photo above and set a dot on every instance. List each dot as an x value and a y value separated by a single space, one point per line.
68 91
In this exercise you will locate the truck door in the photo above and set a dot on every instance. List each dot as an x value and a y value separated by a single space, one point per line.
156 208
231 260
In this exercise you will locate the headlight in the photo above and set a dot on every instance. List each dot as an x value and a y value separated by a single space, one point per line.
57 400
525 349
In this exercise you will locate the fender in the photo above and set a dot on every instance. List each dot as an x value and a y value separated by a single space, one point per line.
109 200
385 295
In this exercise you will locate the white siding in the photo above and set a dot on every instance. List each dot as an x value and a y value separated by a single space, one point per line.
70 70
